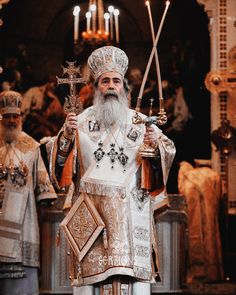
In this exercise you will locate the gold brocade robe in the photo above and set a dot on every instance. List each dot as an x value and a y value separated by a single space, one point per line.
202 190
125 248
19 229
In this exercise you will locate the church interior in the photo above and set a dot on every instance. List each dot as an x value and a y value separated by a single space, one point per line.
197 62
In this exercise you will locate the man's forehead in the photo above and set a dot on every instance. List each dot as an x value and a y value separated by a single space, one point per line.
111 75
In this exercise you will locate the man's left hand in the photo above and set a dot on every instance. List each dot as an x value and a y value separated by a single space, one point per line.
150 136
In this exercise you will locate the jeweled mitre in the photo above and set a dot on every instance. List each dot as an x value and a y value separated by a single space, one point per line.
10 102
107 59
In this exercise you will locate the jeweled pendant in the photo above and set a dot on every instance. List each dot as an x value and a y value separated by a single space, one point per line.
23 169
112 154
123 158
99 153
18 179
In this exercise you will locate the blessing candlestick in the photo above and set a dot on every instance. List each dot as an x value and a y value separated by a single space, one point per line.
162 118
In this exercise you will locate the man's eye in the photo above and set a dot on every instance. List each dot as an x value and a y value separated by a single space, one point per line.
105 81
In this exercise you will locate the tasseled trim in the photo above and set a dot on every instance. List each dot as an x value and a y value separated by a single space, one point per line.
71 265
105 240
155 262
79 275
101 189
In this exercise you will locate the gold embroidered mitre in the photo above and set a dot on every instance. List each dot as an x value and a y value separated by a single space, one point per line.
107 59
10 102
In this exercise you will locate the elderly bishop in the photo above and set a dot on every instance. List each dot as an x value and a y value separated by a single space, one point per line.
112 195
25 184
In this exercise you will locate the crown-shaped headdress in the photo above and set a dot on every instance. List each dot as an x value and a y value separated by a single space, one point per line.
107 59
10 102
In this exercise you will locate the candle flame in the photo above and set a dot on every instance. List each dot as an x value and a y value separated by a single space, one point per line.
147 3
93 7
111 8
116 12
106 15
76 10
88 14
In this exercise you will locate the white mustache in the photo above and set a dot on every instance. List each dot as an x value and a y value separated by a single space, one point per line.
111 93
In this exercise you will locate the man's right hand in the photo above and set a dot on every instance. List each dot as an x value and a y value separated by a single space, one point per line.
70 125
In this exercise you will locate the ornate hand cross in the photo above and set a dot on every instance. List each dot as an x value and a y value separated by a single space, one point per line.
72 102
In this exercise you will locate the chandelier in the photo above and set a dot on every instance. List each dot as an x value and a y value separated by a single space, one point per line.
101 28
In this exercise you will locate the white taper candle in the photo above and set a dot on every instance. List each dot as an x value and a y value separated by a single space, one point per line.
76 23
116 15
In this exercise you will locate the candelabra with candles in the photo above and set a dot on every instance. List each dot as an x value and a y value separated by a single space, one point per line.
161 119
101 28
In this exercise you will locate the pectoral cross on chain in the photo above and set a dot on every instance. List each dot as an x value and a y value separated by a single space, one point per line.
72 102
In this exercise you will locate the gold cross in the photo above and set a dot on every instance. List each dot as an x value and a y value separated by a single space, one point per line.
72 102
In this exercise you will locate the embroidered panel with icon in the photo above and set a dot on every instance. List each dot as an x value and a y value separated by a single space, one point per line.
133 134
93 126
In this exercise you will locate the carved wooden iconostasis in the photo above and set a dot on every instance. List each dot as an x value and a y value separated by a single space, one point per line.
221 82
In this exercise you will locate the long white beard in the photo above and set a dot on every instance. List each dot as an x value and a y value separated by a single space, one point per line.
110 108
10 135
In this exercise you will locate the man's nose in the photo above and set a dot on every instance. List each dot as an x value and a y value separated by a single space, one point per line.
111 85
11 119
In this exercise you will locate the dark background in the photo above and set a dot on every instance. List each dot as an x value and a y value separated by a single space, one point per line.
45 28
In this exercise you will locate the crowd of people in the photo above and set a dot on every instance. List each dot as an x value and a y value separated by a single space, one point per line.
42 107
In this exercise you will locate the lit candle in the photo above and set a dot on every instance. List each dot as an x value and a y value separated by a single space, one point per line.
150 20
88 17
111 10
76 23
156 53
106 17
116 14
93 9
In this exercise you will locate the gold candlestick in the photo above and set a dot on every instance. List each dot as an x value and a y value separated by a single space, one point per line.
146 150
